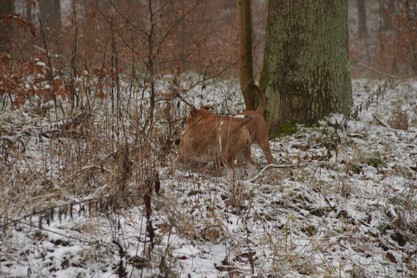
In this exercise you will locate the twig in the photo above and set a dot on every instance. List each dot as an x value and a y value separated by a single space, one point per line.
377 71
273 166
177 94
380 121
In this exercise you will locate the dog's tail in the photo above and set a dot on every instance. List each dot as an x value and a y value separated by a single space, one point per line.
242 119
262 101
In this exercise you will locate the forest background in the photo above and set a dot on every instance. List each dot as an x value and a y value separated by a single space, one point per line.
150 38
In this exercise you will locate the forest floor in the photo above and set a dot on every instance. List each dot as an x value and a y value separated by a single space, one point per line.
340 202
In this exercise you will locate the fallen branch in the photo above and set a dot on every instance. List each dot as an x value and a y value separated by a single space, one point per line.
381 122
384 124
378 71
273 166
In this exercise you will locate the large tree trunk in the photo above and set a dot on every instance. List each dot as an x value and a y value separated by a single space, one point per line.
306 70
245 54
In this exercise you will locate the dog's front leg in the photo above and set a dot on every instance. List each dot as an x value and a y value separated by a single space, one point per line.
230 174
228 164
250 163
251 169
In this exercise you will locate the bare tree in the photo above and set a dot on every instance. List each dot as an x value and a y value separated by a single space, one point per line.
6 10
50 14
387 10
362 25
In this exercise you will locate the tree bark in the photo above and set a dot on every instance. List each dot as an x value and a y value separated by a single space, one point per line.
245 54
306 72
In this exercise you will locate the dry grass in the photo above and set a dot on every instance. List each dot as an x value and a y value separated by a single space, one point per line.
399 120
106 166
100 161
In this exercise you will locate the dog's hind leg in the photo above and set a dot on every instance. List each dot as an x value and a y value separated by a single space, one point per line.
264 144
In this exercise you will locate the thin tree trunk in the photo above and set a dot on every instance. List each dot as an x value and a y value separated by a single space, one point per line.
245 54
362 25
29 11
387 11
50 12
6 9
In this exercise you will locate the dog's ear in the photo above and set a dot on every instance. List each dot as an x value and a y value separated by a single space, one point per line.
193 112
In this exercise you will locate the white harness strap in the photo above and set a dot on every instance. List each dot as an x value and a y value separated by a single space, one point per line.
220 138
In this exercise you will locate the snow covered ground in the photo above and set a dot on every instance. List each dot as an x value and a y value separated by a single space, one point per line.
340 202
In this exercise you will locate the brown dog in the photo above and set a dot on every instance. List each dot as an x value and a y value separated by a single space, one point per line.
257 129
209 137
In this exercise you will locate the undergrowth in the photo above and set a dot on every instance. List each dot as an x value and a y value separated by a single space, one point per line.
103 164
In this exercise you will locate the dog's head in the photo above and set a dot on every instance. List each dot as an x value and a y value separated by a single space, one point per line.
197 117
198 140
200 116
